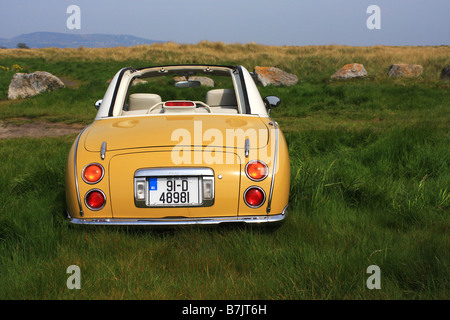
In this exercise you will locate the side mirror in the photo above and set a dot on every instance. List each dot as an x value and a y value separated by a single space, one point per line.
271 102
98 103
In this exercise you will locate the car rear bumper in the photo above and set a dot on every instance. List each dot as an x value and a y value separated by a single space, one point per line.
263 219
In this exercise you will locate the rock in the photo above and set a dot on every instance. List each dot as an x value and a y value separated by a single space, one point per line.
204 81
445 73
405 70
25 85
351 70
136 82
274 76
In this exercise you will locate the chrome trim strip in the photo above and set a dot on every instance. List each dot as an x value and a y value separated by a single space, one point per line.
103 150
275 157
179 172
76 173
247 147
277 218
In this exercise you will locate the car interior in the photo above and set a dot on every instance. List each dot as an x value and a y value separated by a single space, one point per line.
165 96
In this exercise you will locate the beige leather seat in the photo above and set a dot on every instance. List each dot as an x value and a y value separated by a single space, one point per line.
221 97
143 101
222 101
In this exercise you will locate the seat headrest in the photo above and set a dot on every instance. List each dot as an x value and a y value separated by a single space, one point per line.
140 101
221 97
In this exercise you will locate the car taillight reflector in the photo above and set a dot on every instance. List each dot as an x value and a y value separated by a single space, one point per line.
93 173
256 170
179 104
254 197
95 199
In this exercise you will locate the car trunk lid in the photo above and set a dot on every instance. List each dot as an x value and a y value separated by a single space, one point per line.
126 168
218 131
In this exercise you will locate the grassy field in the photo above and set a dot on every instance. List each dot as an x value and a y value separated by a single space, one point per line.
370 166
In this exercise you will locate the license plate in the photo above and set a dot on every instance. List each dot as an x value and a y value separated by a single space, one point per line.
174 191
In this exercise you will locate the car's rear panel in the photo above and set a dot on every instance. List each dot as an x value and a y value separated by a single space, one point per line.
138 165
126 170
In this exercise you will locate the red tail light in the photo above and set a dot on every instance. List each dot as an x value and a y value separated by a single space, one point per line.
92 173
95 199
256 170
254 197
179 104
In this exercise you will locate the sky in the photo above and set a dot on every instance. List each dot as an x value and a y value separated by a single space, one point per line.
275 22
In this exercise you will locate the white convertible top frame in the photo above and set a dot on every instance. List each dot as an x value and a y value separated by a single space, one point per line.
248 93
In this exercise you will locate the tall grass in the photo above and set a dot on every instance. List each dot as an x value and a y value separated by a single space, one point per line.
369 186
305 61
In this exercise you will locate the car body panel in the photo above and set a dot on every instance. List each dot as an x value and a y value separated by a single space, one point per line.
122 188
128 147
198 127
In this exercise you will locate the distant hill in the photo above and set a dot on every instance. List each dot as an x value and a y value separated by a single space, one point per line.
65 40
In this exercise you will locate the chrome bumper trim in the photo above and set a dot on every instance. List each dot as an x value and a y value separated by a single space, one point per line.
277 218
275 158
168 172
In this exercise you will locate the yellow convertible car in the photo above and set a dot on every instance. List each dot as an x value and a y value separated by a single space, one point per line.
179 145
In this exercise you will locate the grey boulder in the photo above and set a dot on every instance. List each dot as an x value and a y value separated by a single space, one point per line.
25 85
274 76
349 71
405 70
445 73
